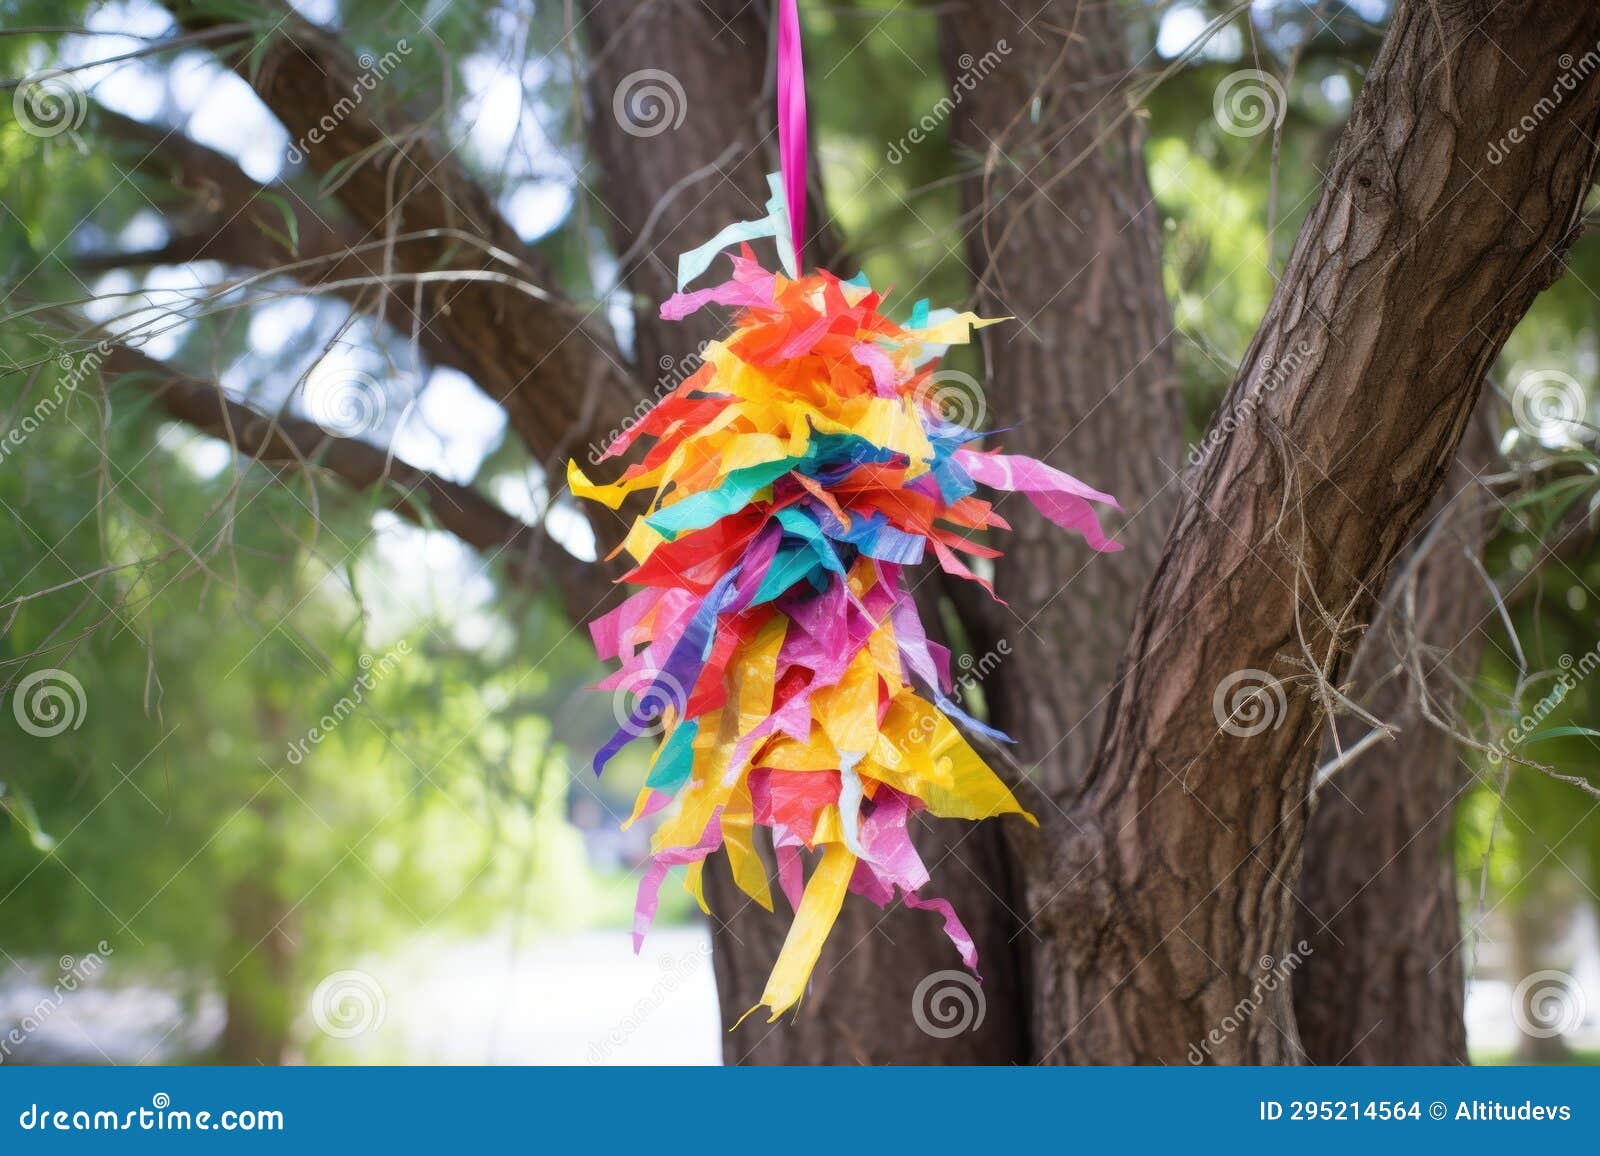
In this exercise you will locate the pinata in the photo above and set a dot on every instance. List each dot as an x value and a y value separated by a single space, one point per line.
775 653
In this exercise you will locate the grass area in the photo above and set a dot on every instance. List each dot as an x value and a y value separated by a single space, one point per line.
1577 1058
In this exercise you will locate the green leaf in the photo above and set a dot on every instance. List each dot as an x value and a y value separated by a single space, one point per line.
290 237
1561 733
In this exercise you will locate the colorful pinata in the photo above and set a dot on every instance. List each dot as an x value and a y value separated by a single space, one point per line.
775 648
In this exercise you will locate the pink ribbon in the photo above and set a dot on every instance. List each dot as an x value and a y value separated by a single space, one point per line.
792 151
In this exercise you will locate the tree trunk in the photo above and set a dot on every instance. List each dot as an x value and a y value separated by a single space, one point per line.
1378 900
1168 901
1067 239
1536 926
258 990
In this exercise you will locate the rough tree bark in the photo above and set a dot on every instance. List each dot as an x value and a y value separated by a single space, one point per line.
1066 238
1378 901
1168 894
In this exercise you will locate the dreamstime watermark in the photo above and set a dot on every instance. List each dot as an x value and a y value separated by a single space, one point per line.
74 972
640 702
49 103
968 675
676 973
1276 974
160 1116
373 70
1548 1004
1277 372
956 397
947 1003
1248 702
674 372
1249 102
973 70
1573 671
349 1003
1573 73
1549 405
74 372
373 671
345 402
649 102
48 702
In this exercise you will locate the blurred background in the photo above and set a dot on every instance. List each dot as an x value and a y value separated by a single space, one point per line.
285 777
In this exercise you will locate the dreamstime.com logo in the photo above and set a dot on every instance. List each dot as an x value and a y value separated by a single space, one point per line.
74 372
677 971
349 1003
1573 671
969 674
1249 102
75 972
160 1116
641 701
948 1003
1277 372
373 671
374 69
674 372
1275 974
1548 1004
1248 702
1573 73
649 102
49 702
973 70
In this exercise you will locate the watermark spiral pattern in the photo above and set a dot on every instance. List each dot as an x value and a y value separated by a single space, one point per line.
345 402
349 1003
955 396
948 1003
1548 404
649 102
1548 1004
1249 102
49 103
647 695
1248 702
48 702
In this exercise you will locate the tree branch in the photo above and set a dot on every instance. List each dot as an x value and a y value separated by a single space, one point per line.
419 496
225 215
560 378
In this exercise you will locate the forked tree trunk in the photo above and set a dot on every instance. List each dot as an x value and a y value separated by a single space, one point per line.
1378 900
1169 902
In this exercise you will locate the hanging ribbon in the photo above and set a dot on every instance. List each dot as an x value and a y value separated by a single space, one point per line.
792 151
